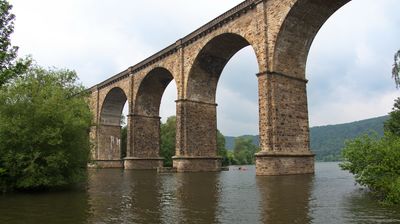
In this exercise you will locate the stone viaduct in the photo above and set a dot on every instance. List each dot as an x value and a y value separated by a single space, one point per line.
280 32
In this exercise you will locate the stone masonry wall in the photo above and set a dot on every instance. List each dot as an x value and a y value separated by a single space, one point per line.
280 32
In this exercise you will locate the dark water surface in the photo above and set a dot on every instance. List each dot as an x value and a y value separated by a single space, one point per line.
116 196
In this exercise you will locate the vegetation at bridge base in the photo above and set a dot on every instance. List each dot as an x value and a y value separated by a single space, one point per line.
168 133
44 126
374 161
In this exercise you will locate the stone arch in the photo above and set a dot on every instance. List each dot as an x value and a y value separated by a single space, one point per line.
109 152
145 121
297 32
196 114
151 90
112 107
208 65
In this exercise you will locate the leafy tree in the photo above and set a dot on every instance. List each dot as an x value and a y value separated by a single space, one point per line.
244 151
392 125
376 164
10 67
396 69
168 133
44 126
221 149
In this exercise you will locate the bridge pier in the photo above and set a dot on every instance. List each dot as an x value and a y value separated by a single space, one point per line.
108 150
283 123
196 148
134 163
144 143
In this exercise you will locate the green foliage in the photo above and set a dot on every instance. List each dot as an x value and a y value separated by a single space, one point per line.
392 125
376 164
10 67
44 125
244 151
168 136
221 149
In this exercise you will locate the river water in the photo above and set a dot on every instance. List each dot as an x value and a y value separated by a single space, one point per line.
116 196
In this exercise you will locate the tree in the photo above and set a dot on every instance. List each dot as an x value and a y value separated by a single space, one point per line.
244 151
396 69
376 164
168 133
221 149
44 131
393 124
10 67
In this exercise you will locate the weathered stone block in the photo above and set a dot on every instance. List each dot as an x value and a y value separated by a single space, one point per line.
273 164
132 163
197 164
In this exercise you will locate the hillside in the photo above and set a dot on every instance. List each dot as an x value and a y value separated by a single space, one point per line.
327 141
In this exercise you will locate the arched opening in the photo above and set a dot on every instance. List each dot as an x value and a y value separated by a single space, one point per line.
109 139
297 33
341 60
200 106
209 64
145 120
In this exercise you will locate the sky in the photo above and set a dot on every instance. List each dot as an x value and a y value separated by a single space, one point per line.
348 68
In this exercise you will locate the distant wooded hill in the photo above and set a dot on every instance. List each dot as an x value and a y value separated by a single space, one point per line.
328 141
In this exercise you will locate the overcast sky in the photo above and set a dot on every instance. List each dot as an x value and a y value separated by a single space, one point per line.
348 67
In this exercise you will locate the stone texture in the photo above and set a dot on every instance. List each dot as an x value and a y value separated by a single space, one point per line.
273 164
132 163
197 164
280 33
109 143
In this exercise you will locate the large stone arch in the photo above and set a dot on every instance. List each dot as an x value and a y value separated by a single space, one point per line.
297 32
112 107
196 114
144 121
284 125
109 128
209 63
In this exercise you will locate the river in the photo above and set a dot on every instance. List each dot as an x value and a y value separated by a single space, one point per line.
116 196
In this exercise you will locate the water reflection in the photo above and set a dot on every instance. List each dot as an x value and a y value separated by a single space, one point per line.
116 196
39 208
285 199
197 195
125 197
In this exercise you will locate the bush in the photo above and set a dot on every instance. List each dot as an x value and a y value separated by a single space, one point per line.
375 164
44 125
